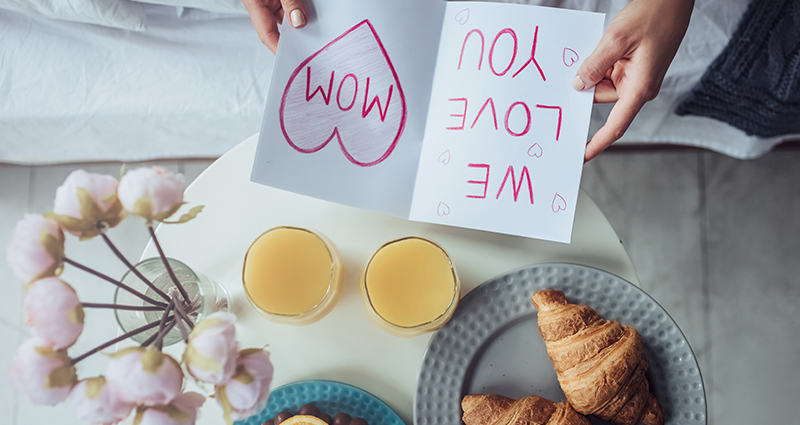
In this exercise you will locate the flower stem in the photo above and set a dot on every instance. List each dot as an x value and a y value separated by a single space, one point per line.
149 340
184 316
115 282
116 340
159 343
132 268
123 307
167 266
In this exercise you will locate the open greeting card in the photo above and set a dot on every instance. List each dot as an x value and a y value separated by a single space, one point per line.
458 113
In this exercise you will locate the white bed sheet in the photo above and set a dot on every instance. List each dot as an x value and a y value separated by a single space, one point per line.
189 86
194 84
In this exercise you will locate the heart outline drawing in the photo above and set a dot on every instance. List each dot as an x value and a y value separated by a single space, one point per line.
443 209
572 58
536 152
366 144
559 203
444 158
463 16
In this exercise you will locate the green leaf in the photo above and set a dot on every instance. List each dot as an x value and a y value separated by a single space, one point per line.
93 386
191 215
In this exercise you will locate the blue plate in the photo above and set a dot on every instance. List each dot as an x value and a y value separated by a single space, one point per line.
330 397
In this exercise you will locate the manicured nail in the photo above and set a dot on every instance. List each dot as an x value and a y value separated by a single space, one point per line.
298 18
577 84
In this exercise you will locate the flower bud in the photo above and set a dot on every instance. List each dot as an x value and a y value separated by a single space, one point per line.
86 201
246 393
211 352
54 311
96 402
153 193
36 248
42 373
182 410
144 376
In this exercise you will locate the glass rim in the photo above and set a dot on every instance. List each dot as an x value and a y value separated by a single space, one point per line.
328 293
453 299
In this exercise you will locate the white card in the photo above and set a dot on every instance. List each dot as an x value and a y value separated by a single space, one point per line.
506 133
458 113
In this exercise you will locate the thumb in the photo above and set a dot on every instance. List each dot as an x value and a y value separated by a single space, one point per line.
609 50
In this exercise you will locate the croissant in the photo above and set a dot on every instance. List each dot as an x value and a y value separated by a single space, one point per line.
600 363
493 409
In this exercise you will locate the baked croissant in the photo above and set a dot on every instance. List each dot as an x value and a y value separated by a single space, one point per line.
600 363
493 409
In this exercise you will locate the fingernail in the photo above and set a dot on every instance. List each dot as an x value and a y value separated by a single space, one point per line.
577 84
298 18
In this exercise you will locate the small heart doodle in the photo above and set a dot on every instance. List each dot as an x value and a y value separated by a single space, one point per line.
444 158
462 17
559 204
535 150
443 209
570 57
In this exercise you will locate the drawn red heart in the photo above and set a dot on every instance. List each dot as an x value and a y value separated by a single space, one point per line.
348 90
443 209
535 150
463 16
559 204
444 158
570 57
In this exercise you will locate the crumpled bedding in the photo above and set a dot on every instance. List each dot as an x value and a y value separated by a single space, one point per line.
194 84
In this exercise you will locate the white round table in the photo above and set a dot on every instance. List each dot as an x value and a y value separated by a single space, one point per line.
345 346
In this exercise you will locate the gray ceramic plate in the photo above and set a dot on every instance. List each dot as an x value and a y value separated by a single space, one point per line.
492 345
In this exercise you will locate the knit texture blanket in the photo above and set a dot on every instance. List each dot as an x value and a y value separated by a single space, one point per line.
754 84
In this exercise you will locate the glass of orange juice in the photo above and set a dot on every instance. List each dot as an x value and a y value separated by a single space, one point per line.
410 286
292 275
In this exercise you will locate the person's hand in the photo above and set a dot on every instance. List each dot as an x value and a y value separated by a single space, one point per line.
266 14
630 61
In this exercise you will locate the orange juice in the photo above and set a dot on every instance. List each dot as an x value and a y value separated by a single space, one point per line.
292 275
410 286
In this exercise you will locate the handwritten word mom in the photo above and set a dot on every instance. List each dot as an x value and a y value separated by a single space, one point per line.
500 69
347 94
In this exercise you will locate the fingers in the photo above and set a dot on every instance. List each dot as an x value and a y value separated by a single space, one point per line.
264 21
611 48
605 92
297 12
266 14
618 121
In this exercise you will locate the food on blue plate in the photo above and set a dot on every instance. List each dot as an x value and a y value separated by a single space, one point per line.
493 409
311 415
600 363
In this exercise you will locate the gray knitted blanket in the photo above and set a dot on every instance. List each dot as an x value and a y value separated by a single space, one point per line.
754 84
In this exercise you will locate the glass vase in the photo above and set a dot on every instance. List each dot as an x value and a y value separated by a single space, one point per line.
209 294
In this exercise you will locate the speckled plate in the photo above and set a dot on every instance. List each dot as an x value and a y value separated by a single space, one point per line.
492 345
330 397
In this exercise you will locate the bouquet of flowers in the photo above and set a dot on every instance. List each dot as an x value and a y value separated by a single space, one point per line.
140 378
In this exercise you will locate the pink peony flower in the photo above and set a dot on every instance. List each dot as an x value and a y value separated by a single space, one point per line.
36 248
246 393
94 401
54 311
144 376
211 352
85 201
181 411
153 193
42 373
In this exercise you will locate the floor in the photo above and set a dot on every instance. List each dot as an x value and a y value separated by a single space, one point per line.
715 240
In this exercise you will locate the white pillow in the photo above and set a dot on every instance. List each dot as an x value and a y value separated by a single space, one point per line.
220 6
123 14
